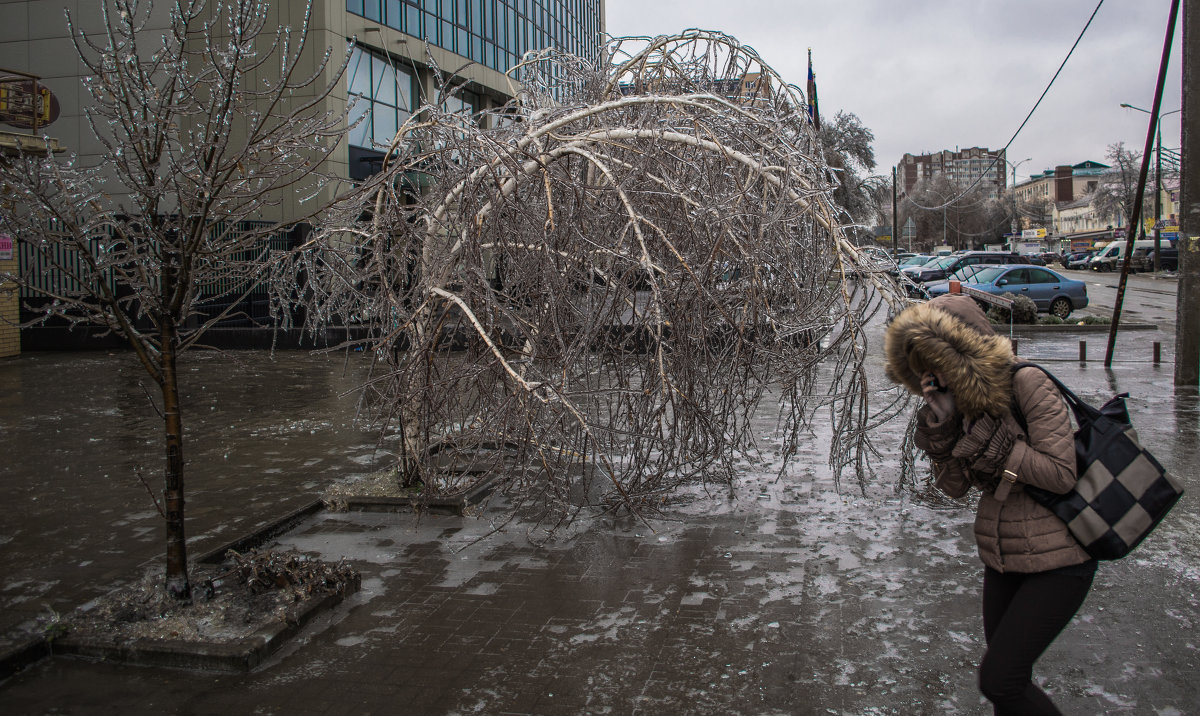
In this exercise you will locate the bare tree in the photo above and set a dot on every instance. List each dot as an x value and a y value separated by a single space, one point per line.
1115 194
205 125
591 290
945 211
847 146
1037 211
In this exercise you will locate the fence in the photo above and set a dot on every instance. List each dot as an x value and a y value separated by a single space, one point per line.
58 267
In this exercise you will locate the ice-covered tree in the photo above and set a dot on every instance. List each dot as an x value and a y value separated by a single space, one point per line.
207 118
591 290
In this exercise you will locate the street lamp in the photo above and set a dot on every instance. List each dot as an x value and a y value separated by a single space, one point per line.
1013 192
1157 178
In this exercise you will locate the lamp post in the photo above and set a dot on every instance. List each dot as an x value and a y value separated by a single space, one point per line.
1157 179
1013 192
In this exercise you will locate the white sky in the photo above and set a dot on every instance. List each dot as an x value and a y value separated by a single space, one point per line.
927 75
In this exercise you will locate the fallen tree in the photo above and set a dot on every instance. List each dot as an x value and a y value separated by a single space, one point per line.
592 289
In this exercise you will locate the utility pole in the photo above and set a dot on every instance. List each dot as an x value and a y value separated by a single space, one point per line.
1136 212
895 228
1158 201
1187 328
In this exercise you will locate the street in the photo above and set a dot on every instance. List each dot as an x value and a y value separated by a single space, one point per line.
787 596
1148 298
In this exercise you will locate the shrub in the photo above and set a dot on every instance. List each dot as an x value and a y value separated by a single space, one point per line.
1050 320
1024 311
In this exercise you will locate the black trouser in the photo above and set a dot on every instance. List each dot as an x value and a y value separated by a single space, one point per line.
1022 614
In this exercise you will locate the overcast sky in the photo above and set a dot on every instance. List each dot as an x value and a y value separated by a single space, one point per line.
927 75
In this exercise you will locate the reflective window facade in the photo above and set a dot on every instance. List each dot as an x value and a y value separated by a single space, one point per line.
494 33
380 91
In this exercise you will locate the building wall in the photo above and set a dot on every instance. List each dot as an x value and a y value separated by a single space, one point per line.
961 167
34 39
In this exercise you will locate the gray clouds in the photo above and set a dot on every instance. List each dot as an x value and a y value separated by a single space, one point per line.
926 75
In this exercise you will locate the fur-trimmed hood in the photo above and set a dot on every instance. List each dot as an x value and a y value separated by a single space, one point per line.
950 335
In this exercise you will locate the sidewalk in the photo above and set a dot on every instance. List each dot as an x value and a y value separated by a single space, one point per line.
789 597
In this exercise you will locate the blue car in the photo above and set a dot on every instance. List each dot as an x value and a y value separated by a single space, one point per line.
1051 291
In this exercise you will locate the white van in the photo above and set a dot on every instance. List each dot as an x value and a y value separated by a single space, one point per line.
1111 255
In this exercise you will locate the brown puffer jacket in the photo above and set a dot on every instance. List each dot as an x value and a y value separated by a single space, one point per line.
950 335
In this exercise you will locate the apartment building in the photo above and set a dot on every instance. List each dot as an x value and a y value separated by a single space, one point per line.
962 167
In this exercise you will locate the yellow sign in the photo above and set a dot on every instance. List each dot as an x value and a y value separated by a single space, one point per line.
884 239
1162 226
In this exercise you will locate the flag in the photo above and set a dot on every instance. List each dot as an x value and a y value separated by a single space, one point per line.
813 113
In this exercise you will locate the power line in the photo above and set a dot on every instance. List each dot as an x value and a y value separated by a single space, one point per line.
1027 117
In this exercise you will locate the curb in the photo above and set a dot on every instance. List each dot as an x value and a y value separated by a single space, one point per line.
239 656
454 503
261 535
26 653
1075 328
247 653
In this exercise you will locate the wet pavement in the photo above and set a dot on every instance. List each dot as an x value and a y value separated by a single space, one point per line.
788 596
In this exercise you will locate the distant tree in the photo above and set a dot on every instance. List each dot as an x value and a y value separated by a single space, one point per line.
963 217
205 124
1036 212
1114 196
847 144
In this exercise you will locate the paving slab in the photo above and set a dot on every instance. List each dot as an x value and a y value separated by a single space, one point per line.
786 596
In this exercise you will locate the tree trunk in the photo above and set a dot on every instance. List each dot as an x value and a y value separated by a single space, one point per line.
178 585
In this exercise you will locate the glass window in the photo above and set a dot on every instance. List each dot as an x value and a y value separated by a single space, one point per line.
371 10
382 96
360 107
987 275
354 6
395 15
1017 276
383 124
383 78
448 35
412 20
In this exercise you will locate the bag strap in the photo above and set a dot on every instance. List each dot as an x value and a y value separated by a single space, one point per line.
1083 412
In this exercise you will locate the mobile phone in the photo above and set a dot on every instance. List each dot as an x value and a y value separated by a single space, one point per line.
937 385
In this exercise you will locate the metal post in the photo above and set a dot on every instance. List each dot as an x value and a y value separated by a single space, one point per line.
1158 200
1157 352
1083 351
1187 324
895 228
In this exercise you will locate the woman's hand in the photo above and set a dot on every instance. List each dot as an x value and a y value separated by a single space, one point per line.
938 395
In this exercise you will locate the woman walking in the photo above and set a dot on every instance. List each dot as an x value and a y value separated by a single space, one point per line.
1036 575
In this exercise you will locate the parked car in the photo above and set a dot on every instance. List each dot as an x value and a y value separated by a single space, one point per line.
1078 260
946 265
1143 259
914 260
1109 258
963 275
1034 259
1050 291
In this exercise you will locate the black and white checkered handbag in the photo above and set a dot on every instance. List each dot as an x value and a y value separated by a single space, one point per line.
1122 493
